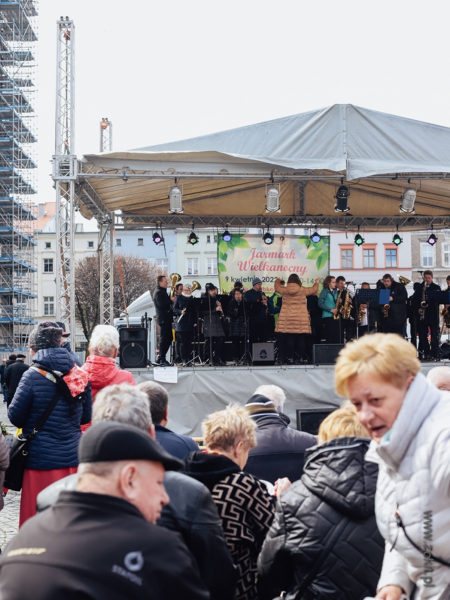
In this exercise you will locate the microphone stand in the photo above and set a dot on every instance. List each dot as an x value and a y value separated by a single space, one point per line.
210 331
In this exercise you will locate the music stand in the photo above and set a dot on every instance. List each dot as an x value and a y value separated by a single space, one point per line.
193 307
250 309
437 297
366 297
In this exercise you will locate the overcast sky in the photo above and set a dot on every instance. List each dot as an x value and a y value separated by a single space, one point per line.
171 69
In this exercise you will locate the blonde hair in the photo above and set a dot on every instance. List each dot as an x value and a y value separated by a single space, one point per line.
342 422
386 356
224 429
104 341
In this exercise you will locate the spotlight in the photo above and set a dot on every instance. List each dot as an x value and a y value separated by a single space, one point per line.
157 238
175 196
226 236
359 240
397 240
315 237
268 238
273 198
408 199
342 196
193 239
432 239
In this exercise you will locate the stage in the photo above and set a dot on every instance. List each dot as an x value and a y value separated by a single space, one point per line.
203 390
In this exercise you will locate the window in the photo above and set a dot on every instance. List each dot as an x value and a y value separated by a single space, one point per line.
90 244
48 265
162 264
427 255
118 242
446 255
215 239
347 259
140 241
208 239
369 259
48 245
211 266
49 306
391 257
192 266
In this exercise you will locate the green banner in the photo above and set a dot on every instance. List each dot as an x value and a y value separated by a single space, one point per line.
246 256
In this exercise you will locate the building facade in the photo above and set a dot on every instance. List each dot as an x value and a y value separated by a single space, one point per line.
435 257
197 262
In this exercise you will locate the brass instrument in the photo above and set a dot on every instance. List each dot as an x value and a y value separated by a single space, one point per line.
195 286
174 279
347 307
361 313
385 310
219 305
338 306
424 303
446 315
403 280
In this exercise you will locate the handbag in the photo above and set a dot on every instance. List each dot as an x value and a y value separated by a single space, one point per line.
18 454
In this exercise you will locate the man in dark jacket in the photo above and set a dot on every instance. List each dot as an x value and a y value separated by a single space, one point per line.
176 444
101 541
258 316
324 541
164 318
2 379
212 326
279 449
13 376
191 510
428 317
396 314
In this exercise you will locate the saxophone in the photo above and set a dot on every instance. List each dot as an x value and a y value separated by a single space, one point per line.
446 315
424 303
337 307
385 310
361 313
347 307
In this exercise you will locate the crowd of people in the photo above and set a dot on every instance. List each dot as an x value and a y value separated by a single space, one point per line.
131 509
295 317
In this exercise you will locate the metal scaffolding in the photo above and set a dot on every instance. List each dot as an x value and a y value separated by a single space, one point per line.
106 135
18 41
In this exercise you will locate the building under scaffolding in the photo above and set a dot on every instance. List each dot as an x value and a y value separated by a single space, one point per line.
18 41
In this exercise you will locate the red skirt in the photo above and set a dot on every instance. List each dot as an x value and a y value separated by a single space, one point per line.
33 483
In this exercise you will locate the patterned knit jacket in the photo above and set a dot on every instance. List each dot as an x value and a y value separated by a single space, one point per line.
246 510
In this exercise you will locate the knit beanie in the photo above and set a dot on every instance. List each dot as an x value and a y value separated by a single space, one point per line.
260 405
45 335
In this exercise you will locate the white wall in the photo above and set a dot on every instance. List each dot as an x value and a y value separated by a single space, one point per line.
201 251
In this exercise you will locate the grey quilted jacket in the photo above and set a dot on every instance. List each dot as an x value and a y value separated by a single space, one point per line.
4 464
337 488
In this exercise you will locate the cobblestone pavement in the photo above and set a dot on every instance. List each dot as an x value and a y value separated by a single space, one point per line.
9 516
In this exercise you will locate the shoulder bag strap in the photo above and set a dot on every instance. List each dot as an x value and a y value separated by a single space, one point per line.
321 559
402 527
50 406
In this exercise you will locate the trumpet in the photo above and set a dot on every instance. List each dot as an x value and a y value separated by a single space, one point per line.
174 279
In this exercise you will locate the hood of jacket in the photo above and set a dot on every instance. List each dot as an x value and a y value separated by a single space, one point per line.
209 469
57 359
292 289
338 473
101 370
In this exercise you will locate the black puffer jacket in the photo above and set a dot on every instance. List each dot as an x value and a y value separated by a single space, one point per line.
237 318
337 489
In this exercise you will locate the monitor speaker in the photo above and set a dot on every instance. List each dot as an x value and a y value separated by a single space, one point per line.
309 419
326 354
263 353
133 347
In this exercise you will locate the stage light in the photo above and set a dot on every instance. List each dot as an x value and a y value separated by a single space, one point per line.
359 240
193 239
397 240
273 198
315 237
408 199
342 196
268 238
226 236
157 238
432 239
125 177
175 196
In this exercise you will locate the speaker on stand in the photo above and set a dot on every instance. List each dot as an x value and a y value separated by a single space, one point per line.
133 347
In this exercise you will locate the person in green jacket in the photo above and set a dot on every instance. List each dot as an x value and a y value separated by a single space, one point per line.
327 302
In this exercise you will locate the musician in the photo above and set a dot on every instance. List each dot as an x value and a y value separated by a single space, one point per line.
396 314
237 325
368 320
237 286
178 358
258 318
348 326
328 298
212 326
164 318
185 323
428 316
413 317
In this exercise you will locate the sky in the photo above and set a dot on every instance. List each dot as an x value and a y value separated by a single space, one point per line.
171 69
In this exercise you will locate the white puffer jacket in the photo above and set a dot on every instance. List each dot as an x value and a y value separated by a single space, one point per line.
414 478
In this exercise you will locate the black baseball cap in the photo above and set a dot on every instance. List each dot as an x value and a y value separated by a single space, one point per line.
111 441
63 327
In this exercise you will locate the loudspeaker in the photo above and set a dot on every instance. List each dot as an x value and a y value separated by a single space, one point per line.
326 354
309 419
133 347
263 353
